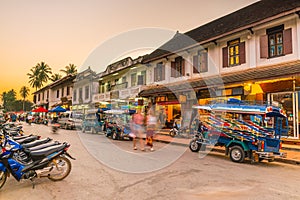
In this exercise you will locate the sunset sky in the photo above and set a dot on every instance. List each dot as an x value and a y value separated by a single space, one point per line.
60 32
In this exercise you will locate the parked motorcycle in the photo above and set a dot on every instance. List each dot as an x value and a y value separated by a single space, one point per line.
51 162
198 141
113 130
177 130
22 150
12 129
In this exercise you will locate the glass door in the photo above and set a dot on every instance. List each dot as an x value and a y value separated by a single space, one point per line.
289 102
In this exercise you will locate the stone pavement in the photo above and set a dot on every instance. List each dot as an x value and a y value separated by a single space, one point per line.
292 150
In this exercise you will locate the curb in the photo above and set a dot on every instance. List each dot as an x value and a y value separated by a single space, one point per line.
282 160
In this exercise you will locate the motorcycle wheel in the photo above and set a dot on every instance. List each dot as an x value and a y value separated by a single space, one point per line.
3 177
172 133
194 146
60 168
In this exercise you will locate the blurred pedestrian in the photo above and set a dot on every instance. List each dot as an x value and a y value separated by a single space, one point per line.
29 119
151 128
162 118
138 128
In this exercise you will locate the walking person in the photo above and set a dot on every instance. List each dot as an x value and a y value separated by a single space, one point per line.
162 118
151 128
138 129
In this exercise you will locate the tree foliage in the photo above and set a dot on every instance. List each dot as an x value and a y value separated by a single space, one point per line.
10 103
55 77
39 75
8 99
24 92
69 69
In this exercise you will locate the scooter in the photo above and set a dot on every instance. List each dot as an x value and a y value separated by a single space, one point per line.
198 141
177 131
51 162
55 127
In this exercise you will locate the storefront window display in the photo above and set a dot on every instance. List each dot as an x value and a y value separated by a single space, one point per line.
289 101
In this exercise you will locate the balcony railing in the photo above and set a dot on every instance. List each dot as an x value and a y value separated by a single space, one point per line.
119 86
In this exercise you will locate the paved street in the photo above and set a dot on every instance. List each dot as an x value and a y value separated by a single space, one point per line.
107 169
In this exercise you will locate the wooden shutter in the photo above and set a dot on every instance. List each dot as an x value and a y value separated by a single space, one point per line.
140 80
225 56
204 62
173 70
287 41
183 67
195 64
264 49
242 53
155 74
163 72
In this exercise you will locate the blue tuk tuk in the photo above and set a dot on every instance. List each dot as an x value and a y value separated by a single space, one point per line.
245 130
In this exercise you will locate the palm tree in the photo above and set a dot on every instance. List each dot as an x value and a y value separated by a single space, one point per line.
9 99
39 75
45 72
55 77
69 69
24 92
34 79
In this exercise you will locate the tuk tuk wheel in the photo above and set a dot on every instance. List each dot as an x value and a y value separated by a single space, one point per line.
237 154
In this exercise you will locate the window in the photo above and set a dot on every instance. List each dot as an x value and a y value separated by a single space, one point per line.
108 86
80 94
234 53
57 93
39 97
124 82
102 88
62 91
159 72
86 92
142 78
200 61
43 95
277 42
124 79
177 67
47 94
74 95
133 79
68 91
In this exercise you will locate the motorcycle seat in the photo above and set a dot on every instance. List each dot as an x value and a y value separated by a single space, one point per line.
35 155
36 142
26 140
13 133
20 137
41 146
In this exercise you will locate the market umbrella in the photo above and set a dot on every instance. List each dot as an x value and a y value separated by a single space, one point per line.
40 109
58 109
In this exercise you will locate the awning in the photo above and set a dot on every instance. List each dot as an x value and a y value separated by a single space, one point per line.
162 103
40 109
252 74
58 109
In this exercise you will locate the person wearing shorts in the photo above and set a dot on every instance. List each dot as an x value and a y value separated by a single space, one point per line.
138 128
